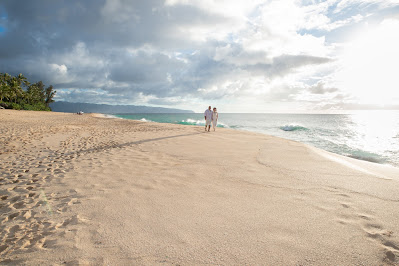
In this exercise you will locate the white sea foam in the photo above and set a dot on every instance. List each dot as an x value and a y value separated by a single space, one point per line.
190 121
110 116
193 121
223 125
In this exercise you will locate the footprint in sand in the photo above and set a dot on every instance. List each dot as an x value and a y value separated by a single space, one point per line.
3 248
377 233
13 215
19 205
348 214
389 256
14 199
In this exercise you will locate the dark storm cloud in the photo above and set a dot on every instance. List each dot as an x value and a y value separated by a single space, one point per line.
43 26
40 33
128 48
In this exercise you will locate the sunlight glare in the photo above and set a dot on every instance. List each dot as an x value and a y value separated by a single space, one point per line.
370 65
375 130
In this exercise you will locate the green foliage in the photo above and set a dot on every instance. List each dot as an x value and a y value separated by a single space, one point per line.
18 93
49 95
16 106
36 107
25 106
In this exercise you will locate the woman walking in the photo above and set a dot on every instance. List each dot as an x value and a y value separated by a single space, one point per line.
215 117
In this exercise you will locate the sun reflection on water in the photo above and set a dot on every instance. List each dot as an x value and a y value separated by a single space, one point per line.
374 131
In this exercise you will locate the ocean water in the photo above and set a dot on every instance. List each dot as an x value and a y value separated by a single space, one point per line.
371 136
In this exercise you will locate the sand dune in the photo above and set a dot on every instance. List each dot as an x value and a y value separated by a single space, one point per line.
91 190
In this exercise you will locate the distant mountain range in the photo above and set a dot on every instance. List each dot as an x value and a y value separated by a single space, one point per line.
110 109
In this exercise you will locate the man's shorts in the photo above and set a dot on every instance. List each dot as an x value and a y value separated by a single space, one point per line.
208 122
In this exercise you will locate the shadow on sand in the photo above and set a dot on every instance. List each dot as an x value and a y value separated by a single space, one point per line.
127 144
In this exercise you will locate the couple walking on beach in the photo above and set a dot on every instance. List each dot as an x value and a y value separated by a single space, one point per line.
211 117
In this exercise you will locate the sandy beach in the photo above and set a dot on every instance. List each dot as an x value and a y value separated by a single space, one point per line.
89 190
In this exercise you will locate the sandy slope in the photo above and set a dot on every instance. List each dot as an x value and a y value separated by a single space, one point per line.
89 190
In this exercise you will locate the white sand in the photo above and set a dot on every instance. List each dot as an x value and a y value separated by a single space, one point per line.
90 190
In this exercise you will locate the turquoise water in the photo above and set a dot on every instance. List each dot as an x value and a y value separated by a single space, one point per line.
371 136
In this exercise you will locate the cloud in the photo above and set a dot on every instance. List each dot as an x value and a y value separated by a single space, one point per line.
320 88
355 106
345 4
180 53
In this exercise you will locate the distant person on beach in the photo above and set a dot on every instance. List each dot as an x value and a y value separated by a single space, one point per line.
208 118
215 117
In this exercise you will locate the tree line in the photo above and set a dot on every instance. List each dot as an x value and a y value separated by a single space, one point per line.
16 92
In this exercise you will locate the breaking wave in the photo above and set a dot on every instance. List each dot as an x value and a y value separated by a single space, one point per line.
293 128
194 122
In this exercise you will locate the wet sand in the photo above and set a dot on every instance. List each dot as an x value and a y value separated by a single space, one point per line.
91 190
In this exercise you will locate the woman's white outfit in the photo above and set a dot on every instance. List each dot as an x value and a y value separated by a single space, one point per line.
215 116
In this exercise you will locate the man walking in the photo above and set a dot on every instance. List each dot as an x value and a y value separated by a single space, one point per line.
208 118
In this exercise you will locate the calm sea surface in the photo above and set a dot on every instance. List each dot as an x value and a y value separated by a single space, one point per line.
371 136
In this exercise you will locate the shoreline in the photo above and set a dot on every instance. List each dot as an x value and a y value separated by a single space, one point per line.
80 189
359 158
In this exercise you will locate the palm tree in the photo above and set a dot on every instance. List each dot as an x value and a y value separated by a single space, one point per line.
23 80
16 84
36 93
15 89
49 95
18 90
4 86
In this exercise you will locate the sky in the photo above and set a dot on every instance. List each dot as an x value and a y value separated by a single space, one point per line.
240 56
